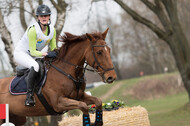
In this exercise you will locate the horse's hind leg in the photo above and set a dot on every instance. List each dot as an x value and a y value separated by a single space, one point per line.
17 120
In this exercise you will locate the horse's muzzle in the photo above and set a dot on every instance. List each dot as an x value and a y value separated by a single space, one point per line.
110 79
109 76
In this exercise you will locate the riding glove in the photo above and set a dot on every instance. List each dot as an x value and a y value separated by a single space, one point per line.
52 54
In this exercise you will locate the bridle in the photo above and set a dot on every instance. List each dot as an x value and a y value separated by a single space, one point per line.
79 79
95 68
96 61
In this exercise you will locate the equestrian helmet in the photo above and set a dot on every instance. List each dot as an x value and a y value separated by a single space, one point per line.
43 10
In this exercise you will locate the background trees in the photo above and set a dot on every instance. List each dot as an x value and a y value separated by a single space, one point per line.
169 30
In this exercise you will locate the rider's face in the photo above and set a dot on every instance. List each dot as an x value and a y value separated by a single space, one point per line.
44 19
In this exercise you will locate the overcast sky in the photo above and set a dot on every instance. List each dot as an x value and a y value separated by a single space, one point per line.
83 12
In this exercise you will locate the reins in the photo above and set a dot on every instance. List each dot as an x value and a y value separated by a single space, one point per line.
81 67
78 82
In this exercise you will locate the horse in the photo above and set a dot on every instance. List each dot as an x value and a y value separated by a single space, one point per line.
64 87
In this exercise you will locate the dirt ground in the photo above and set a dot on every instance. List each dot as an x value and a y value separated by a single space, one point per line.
112 90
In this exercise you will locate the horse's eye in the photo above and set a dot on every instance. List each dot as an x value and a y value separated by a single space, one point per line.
99 52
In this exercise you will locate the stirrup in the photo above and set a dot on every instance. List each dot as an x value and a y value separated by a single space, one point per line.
29 104
30 101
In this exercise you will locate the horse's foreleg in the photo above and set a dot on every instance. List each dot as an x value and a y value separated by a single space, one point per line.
92 100
98 102
65 104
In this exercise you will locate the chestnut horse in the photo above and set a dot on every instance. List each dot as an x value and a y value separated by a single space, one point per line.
60 90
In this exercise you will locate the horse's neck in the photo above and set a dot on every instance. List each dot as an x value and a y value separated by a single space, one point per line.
76 54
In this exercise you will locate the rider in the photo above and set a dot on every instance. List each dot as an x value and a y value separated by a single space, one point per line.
36 37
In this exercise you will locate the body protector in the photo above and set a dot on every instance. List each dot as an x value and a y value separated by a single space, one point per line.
42 40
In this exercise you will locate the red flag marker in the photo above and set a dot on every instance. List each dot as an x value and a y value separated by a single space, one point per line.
2 111
4 114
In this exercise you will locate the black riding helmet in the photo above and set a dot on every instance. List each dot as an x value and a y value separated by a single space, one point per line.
43 10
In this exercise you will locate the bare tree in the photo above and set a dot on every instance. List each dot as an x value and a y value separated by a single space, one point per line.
184 16
147 49
2 63
6 38
22 16
171 33
141 49
60 6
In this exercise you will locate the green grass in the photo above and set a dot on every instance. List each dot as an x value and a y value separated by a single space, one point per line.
165 111
99 91
125 85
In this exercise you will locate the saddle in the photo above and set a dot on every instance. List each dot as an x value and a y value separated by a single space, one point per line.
18 85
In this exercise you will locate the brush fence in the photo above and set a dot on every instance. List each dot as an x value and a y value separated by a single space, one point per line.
128 116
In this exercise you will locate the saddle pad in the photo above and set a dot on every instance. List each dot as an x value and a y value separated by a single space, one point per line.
18 86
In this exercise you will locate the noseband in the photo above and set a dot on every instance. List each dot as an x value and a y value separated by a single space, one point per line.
96 61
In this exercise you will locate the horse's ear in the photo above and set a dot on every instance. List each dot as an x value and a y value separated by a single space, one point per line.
90 37
105 33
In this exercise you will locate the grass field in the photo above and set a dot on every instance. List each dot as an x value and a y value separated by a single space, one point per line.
167 110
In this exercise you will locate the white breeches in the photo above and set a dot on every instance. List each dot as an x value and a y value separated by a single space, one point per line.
23 59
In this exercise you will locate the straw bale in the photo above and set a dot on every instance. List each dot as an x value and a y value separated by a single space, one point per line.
128 116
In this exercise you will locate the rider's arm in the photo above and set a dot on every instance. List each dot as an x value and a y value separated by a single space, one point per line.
53 41
32 42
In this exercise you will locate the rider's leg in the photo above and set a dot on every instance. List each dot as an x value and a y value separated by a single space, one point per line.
24 59
31 80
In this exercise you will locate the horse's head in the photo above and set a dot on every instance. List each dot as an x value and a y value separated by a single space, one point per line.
98 57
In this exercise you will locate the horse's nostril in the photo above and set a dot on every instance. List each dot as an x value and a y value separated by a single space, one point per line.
110 79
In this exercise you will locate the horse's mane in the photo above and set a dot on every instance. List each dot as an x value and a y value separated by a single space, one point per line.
69 39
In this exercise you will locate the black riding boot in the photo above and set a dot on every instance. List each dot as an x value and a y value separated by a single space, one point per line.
30 80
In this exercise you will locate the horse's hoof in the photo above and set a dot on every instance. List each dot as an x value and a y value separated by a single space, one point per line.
92 124
98 123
